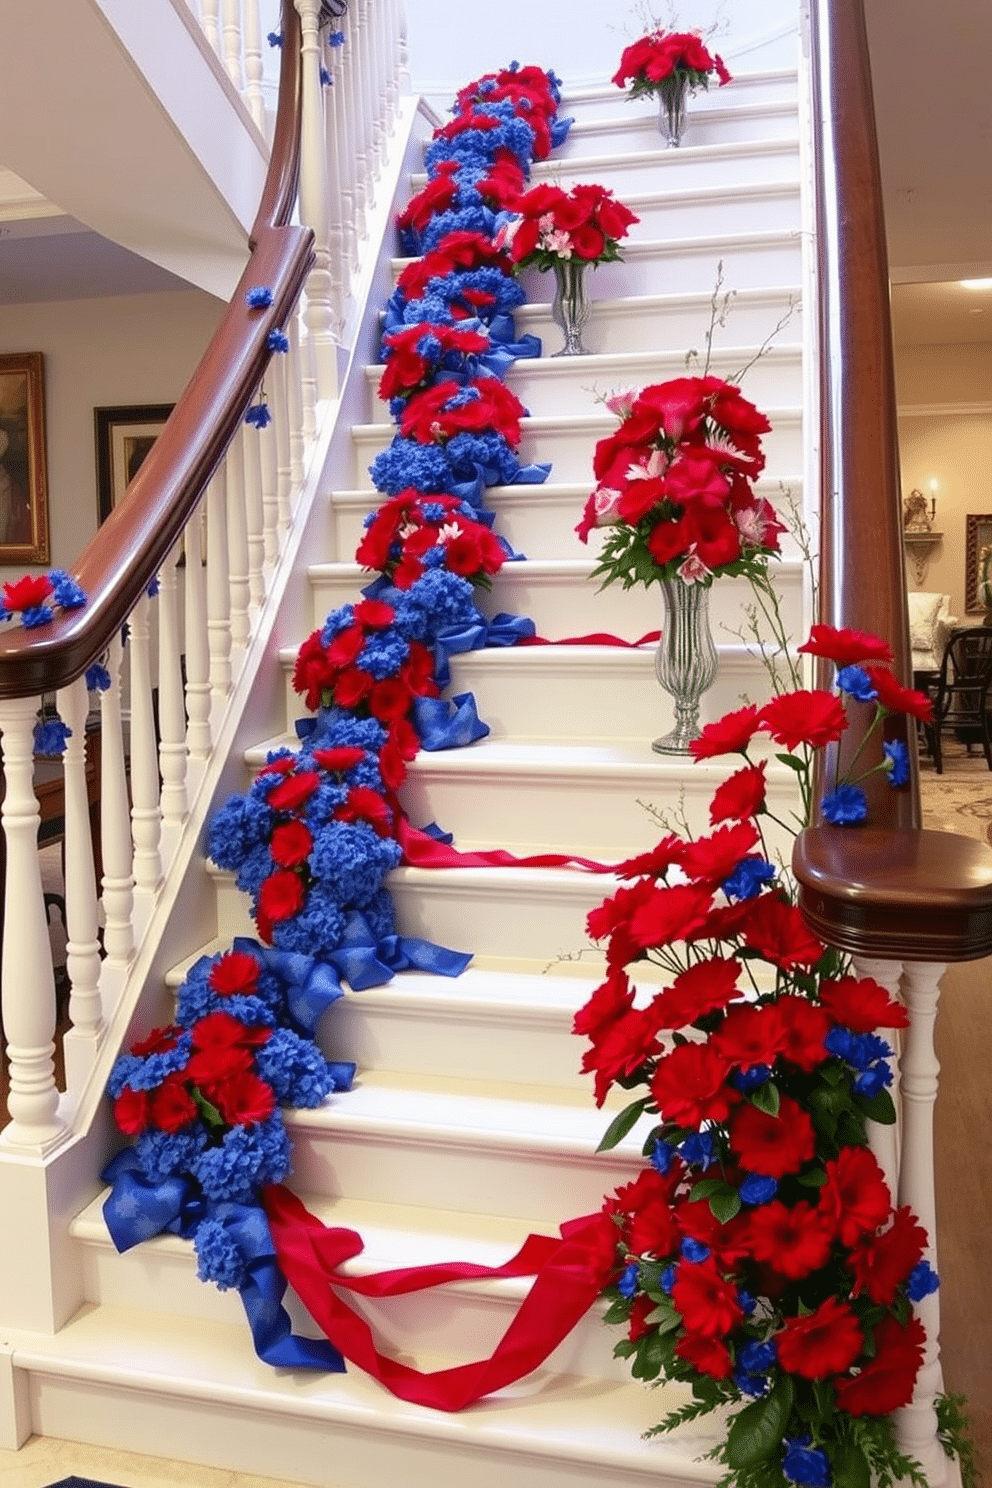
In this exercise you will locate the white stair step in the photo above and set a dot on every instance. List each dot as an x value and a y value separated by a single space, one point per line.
550 385
752 207
756 259
639 323
747 88
538 521
557 594
568 442
136 1378
710 123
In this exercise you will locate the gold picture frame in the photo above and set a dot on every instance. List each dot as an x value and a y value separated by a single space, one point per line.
23 460
978 535
123 438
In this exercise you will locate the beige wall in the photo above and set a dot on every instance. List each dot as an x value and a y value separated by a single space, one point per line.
945 434
101 353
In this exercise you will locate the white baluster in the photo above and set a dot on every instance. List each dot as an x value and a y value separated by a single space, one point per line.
392 55
199 740
27 984
294 392
254 70
340 276
115 838
82 953
146 814
232 43
210 21
252 465
237 544
171 712
356 124
343 126
885 1140
268 454
377 85
916 1424
373 127
279 370
403 50
218 594
319 313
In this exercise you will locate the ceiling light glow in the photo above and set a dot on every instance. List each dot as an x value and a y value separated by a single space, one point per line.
976 283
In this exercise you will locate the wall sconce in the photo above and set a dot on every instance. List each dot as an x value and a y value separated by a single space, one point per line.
919 536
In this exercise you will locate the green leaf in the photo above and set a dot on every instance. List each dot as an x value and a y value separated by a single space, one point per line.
878 1107
792 761
757 1431
705 1188
665 1319
618 1311
622 1123
723 1206
624 1348
850 1467
823 1394
815 1178
766 1097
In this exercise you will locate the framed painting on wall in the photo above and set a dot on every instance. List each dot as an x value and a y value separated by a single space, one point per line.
978 536
23 473
123 438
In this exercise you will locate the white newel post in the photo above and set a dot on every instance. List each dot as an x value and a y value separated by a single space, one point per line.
28 983
80 1043
318 314
916 1424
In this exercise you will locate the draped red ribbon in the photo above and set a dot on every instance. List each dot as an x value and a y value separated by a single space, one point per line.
598 638
569 1273
423 851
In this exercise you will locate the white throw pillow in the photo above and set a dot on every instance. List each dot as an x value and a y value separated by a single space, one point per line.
923 609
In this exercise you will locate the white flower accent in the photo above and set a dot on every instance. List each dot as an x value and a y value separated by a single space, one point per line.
751 525
622 404
448 531
650 469
693 570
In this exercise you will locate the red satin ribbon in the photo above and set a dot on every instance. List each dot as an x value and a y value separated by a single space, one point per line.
598 638
423 851
569 1275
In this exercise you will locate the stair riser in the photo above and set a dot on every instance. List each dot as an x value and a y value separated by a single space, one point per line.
594 814
757 208
514 1181
639 325
569 604
748 90
552 387
706 126
568 446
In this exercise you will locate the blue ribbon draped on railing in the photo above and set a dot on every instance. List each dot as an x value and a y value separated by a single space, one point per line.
503 630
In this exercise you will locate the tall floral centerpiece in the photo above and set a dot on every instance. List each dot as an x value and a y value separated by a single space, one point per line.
567 232
670 64
675 491
762 1258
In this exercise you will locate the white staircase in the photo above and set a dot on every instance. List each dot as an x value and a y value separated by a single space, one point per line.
469 1125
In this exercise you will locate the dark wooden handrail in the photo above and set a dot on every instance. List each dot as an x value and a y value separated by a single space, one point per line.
889 890
129 548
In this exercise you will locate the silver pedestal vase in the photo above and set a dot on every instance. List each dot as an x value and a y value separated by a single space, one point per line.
685 662
673 114
571 308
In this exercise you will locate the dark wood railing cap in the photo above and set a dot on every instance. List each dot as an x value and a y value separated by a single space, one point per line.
896 894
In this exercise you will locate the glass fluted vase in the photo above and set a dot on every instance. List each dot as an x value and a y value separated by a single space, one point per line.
685 661
673 113
570 308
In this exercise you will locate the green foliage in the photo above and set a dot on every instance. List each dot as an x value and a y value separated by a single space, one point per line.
757 1431
622 1123
954 1434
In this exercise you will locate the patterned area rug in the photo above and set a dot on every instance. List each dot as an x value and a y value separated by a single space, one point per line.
959 800
80 1483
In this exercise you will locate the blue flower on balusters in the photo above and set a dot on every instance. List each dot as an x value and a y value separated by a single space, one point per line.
325 77
97 678
277 340
259 297
335 38
896 761
258 415
274 38
845 806
50 735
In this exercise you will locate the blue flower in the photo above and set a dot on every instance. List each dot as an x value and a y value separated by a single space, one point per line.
36 615
259 297
335 38
694 1250
747 878
258 416
153 587
757 1358
218 1258
274 38
757 1188
697 1149
897 761
871 1081
627 1285
750 1078
845 806
97 678
325 77
297 1070
66 591
921 1281
856 683
246 1159
667 1279
277 340
662 1157
50 735
806 1464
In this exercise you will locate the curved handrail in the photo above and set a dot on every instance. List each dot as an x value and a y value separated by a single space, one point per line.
891 890
127 551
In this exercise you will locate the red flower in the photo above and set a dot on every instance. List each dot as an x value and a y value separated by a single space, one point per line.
708 1355
669 914
826 1342
172 1106
132 1111
712 859
793 1241
293 791
313 673
388 700
689 1086
339 760
859 1003
700 990
365 804
640 1310
374 614
886 1382
236 971
740 797
621 1049
804 1027
617 910
221 1031
750 1035
291 844
280 896
352 686
728 735
899 699
345 646
881 1262
845 647
655 863
26 593
245 1099
708 1303
653 1231
159 1041
855 1194
610 1001
773 1145
813 718
778 930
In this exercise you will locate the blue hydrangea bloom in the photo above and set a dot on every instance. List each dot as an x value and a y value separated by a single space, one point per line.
247 1158
218 1258
845 806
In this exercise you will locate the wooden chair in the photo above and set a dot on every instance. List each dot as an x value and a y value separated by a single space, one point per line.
960 694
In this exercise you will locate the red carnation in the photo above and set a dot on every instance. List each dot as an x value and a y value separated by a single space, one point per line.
777 929
712 859
881 1262
855 1194
750 1035
793 1241
689 1086
366 805
669 914
339 760
388 700
611 1000
861 1004
159 1041
653 1231
655 863
352 686
245 1099
708 1303
291 844
773 1145
709 1355
637 1324
293 791
804 1027
236 971
132 1111
885 1382
172 1106
845 647
898 699
740 797
813 718
621 1049
345 646
27 593
374 614
280 896
708 985
728 735
617 909
221 1031
826 1342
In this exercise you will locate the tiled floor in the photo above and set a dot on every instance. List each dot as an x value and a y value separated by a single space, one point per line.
42 1461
